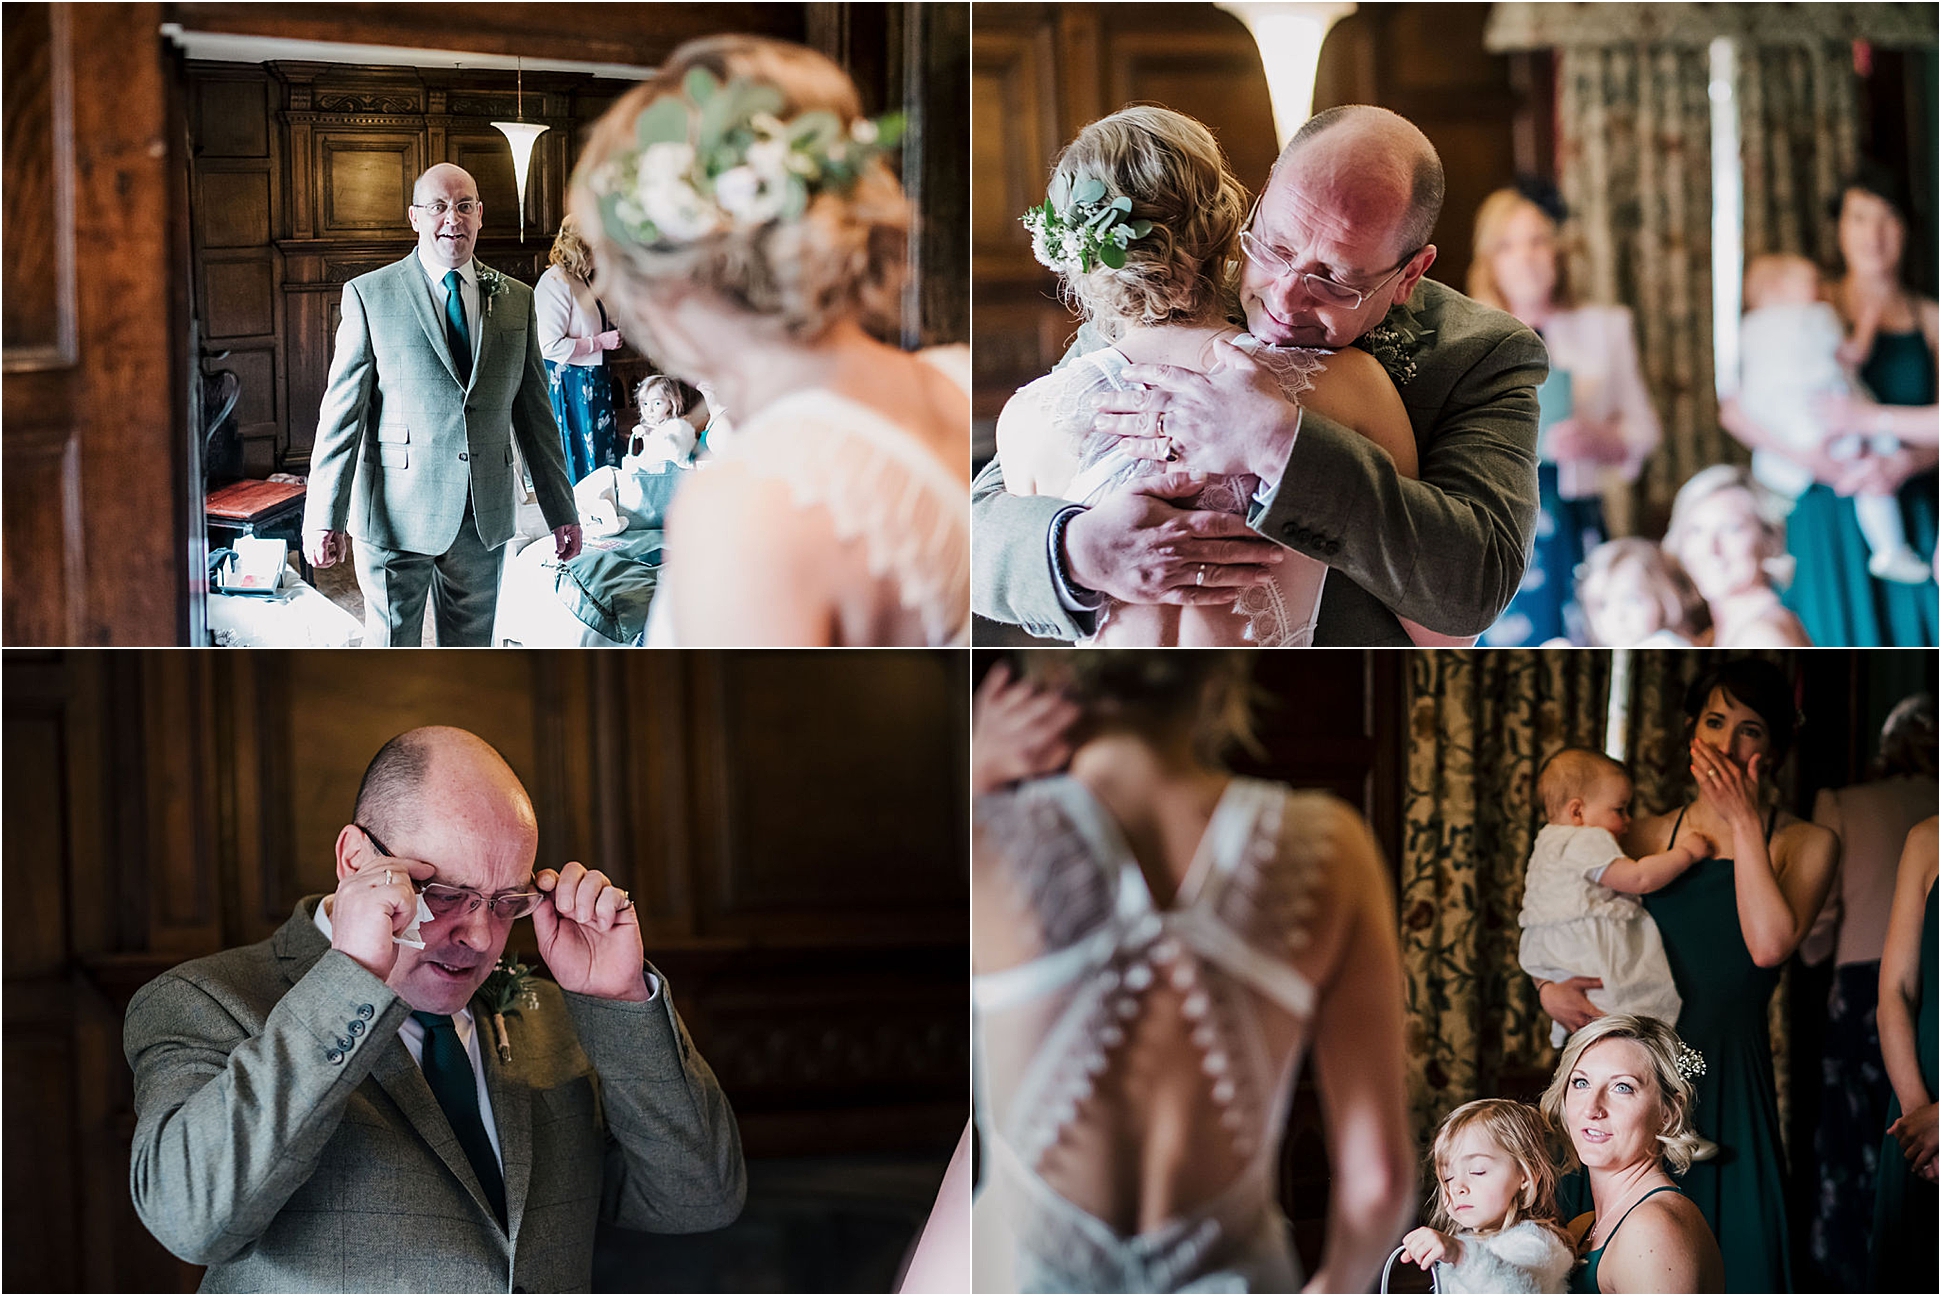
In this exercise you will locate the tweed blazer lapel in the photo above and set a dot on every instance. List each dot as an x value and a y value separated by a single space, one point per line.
416 287
511 1112
298 947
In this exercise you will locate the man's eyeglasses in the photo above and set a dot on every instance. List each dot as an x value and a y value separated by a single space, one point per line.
447 901
438 207
1320 287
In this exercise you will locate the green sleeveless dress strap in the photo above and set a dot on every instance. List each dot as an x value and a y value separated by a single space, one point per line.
1584 1278
1742 1191
1906 1206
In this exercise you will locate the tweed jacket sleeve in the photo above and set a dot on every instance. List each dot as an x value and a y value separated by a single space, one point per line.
1448 550
1011 559
229 1126
673 1156
341 422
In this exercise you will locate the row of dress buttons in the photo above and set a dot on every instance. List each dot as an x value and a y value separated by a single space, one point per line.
356 1028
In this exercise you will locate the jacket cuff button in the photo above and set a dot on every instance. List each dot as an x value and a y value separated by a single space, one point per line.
365 1011
334 1057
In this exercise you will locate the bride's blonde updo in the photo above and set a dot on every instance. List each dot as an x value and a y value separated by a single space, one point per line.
1171 168
842 258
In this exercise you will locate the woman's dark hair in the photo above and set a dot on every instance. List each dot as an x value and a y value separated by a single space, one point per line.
1874 178
1755 684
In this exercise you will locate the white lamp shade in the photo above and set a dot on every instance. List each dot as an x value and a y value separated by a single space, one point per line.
521 136
1289 35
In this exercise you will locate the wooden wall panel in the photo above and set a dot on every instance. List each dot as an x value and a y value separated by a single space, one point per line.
233 117
233 208
239 299
364 182
97 459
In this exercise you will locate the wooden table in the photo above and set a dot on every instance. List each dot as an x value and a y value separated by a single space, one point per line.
266 509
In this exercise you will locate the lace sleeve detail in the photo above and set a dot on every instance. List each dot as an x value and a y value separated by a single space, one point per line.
1049 875
881 486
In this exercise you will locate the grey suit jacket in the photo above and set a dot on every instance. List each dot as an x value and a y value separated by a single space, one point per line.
1447 550
401 442
285 1138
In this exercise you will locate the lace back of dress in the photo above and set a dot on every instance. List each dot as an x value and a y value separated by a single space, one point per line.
1171 1036
879 485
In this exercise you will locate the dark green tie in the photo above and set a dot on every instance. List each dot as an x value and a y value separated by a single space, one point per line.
456 333
449 1073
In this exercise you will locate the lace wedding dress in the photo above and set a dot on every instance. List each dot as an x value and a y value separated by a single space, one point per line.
1120 998
1280 614
881 485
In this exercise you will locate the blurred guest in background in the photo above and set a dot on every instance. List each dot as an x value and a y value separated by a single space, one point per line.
574 337
1893 341
1724 534
1635 595
1905 1214
1596 422
1872 820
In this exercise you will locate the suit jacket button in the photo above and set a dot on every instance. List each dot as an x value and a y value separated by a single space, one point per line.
347 1044
356 1027
334 1057
365 1011
462 456
1331 548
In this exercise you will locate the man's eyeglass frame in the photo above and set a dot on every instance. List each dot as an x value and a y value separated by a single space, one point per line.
438 206
1318 286
440 893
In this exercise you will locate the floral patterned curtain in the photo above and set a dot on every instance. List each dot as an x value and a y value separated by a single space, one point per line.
1635 166
1799 136
1480 725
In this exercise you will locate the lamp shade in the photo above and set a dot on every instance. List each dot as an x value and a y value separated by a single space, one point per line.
521 136
1289 35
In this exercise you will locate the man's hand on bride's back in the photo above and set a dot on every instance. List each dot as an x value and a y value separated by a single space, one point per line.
1139 546
1232 419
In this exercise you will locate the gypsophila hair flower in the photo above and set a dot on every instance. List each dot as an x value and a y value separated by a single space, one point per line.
716 158
1691 1063
1075 228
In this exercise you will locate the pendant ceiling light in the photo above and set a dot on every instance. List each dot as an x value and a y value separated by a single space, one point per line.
1289 36
521 134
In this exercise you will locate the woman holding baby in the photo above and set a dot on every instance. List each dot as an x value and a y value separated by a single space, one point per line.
1854 584
1727 923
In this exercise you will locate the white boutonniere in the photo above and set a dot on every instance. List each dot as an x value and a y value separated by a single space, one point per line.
1394 343
508 989
491 285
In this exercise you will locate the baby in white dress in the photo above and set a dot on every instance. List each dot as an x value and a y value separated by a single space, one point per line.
1492 1226
1790 346
1581 915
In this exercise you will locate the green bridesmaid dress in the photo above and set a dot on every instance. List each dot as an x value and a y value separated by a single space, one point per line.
1741 1191
1902 1256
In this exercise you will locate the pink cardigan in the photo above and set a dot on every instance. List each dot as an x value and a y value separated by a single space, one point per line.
568 318
1597 347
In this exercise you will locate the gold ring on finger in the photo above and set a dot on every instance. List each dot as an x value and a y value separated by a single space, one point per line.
1199 577
387 877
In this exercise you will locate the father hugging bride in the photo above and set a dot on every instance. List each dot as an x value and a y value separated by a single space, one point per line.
1357 467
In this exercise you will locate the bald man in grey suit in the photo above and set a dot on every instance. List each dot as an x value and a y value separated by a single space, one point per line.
436 373
1335 256
335 1109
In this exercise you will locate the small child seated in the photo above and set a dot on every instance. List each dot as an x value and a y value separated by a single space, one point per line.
1635 595
662 436
1581 915
1492 1226
1790 348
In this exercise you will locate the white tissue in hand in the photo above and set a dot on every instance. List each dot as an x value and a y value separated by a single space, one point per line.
409 936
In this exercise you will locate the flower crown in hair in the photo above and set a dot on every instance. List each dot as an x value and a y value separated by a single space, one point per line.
1690 1062
716 157
1075 228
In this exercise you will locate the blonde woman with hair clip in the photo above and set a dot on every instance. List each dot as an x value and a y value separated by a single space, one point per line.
751 234
1143 222
1726 533
1623 1096
1157 946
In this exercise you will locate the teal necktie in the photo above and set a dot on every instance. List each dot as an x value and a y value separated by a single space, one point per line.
456 333
449 1073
